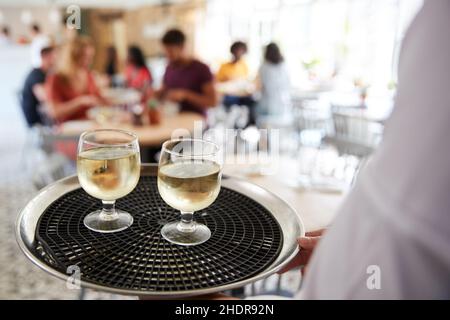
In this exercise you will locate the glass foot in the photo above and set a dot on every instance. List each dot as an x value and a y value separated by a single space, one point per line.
172 233
99 222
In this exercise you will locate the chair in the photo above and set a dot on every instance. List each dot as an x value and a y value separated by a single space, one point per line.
39 148
30 135
354 134
312 123
53 163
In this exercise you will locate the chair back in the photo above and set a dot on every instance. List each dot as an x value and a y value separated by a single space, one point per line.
354 133
57 154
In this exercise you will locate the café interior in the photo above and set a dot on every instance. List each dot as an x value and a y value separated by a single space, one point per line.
295 94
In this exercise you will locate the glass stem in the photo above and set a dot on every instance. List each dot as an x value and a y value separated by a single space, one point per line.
186 223
109 211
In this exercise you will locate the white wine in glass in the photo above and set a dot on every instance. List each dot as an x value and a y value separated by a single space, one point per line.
108 166
189 186
189 176
108 173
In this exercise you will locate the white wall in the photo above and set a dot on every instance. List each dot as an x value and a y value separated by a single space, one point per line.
13 17
14 66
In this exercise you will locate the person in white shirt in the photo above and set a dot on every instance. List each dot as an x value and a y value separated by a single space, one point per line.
273 80
39 41
391 238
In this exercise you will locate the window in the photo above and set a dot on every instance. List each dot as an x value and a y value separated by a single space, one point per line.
354 39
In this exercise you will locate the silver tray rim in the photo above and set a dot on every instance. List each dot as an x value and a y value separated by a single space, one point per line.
290 223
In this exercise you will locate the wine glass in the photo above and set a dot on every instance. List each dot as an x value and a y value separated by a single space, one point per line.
108 167
189 175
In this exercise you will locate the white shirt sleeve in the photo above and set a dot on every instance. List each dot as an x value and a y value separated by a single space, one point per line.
391 238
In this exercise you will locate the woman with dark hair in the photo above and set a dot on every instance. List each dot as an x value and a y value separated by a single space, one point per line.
273 54
274 83
111 66
137 75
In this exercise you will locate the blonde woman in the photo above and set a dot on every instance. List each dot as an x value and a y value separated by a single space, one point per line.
71 90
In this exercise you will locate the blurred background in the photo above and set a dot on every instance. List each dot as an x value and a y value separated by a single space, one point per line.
322 72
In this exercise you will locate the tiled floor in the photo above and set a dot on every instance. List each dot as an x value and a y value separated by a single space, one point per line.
19 279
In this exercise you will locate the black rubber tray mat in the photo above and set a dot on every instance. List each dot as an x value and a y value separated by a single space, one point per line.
245 240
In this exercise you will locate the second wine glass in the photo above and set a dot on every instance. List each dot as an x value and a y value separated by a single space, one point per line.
189 177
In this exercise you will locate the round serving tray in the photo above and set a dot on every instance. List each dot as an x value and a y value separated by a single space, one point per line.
49 231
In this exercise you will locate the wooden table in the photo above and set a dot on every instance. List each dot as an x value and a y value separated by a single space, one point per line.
316 209
149 135
122 96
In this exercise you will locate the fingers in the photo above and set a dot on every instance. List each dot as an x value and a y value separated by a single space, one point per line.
299 260
315 233
308 243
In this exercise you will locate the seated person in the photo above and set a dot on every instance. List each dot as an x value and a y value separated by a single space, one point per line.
236 72
33 93
112 65
72 90
186 80
5 38
236 69
273 80
137 75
